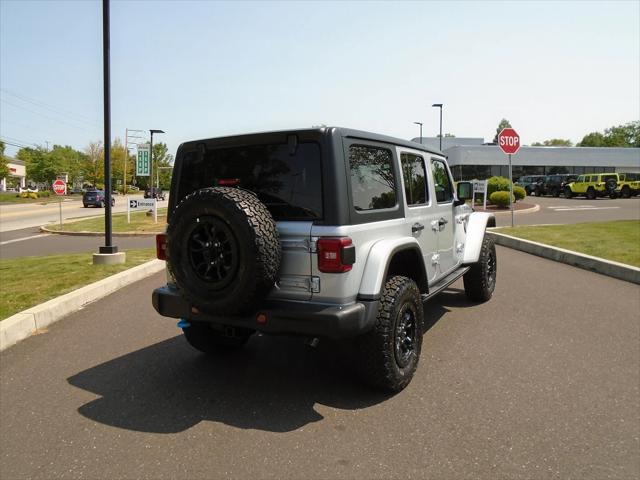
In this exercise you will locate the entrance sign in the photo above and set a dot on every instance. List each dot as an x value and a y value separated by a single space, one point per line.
143 163
139 203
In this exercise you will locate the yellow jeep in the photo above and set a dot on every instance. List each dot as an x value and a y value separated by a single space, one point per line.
629 184
594 185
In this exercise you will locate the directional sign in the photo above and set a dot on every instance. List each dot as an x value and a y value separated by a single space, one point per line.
509 141
142 203
143 163
59 187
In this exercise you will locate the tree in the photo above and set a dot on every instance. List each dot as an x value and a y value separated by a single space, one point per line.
554 142
69 161
627 135
40 166
163 159
94 163
504 123
4 167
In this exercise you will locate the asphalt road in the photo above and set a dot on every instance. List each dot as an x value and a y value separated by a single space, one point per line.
20 215
573 210
541 382
29 241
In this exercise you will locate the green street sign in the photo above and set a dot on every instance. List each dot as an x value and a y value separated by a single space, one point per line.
142 165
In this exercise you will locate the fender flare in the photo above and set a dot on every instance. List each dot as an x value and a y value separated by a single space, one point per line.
476 227
378 260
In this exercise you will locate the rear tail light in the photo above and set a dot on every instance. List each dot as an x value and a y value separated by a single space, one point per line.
161 246
336 255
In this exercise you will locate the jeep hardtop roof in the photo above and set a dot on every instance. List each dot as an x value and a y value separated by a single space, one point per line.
329 131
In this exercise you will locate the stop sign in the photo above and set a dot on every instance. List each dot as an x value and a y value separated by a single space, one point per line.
509 141
59 187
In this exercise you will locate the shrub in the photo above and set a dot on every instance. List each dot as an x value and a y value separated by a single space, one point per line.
497 184
24 195
519 192
43 193
500 198
32 195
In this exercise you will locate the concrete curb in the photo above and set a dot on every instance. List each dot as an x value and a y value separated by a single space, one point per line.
30 321
99 234
617 270
533 209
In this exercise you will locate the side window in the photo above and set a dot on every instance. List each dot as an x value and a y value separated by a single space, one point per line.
580 179
415 179
441 181
373 184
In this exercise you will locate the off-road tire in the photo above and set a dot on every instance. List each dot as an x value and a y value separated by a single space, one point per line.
388 355
625 192
480 280
591 193
567 192
610 187
207 339
223 250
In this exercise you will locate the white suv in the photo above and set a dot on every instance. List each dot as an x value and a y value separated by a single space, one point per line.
325 232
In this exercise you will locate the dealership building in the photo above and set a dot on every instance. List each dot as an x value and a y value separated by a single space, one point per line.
473 158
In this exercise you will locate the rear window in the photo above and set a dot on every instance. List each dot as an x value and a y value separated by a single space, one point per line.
609 177
288 183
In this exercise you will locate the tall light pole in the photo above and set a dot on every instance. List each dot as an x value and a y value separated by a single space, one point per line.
439 105
153 191
419 123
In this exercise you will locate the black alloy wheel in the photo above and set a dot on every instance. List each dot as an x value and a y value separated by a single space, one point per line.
213 252
591 193
567 192
405 335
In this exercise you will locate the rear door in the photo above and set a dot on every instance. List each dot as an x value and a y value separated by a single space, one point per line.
443 222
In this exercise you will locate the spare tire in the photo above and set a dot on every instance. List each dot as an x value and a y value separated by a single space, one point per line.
223 250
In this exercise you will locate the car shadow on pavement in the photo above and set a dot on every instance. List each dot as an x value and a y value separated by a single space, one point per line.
272 384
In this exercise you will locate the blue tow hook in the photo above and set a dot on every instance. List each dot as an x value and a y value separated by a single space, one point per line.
183 324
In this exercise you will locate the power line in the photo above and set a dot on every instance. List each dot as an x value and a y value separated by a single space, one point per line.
52 108
46 116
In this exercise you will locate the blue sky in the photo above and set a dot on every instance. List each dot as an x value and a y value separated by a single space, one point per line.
204 69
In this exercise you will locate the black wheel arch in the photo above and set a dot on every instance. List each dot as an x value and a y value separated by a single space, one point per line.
407 261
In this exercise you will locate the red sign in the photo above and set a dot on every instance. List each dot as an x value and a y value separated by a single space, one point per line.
59 187
509 141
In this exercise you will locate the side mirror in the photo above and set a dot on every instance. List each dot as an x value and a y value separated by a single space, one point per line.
464 191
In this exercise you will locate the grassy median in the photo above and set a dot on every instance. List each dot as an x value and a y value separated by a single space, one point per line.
140 222
618 240
29 281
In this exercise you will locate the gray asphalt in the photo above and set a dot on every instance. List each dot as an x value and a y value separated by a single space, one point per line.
540 382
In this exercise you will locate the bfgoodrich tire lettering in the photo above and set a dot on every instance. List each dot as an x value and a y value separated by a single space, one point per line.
480 280
389 354
223 250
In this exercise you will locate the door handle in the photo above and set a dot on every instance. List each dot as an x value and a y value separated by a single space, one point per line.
442 222
416 227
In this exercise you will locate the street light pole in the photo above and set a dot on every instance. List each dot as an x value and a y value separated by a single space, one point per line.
419 123
439 105
153 191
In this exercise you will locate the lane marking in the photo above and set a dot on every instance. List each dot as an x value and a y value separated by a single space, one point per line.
25 238
583 209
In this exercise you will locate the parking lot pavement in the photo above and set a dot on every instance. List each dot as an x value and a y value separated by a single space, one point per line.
574 210
540 382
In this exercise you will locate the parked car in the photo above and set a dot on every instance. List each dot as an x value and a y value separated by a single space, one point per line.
594 185
95 198
554 184
629 184
324 232
154 193
530 182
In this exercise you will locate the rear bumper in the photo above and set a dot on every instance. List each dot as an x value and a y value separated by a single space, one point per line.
289 317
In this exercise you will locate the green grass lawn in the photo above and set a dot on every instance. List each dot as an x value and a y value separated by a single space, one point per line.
139 223
618 241
29 281
11 197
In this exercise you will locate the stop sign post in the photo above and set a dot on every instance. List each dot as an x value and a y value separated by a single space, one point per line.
509 143
60 188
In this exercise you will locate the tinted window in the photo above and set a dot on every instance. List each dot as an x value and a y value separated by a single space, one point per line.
373 184
414 173
288 183
609 177
441 182
580 179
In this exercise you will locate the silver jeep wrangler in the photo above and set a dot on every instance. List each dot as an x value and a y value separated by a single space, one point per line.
325 232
